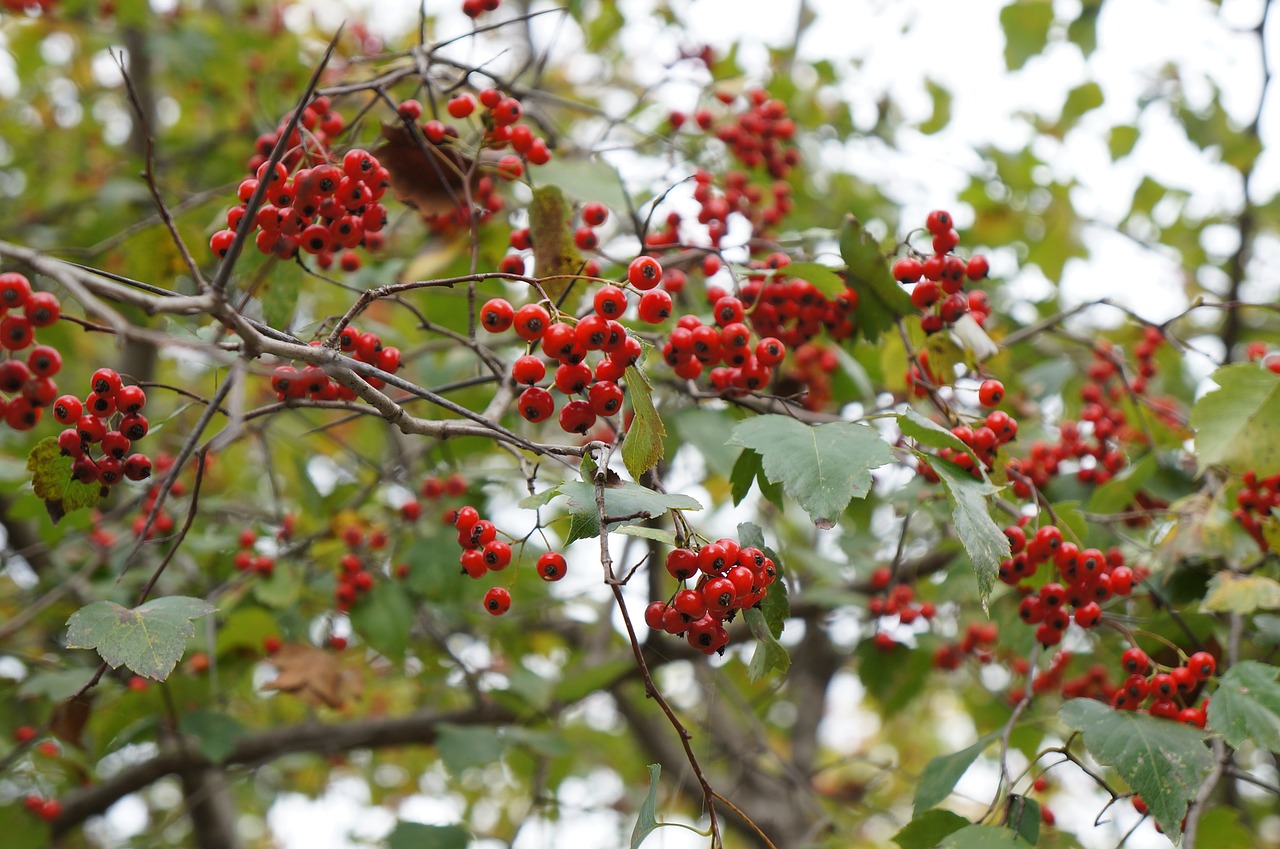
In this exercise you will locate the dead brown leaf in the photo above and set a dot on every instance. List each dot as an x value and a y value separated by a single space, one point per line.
68 721
428 177
313 675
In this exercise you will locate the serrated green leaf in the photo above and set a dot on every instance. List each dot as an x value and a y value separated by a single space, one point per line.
983 837
982 538
769 653
415 835
1164 762
647 820
926 431
383 617
1121 140
538 499
642 448
1237 425
823 277
1026 30
1246 705
1232 593
216 733
149 640
704 430
941 774
744 474
586 180
941 116
1023 816
880 298
51 479
822 467
927 830
661 535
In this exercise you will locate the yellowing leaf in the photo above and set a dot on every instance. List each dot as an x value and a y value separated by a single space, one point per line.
642 449
51 480
1231 593
1237 425
149 639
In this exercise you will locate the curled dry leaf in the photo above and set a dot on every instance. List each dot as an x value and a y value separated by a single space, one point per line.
428 177
313 675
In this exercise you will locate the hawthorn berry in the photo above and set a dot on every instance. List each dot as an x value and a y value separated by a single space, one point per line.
536 404
644 273
552 567
595 213
655 306
1202 665
497 315
497 601
531 322
938 221
528 370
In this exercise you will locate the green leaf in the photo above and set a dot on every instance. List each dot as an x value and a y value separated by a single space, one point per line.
1164 762
1246 705
282 588
415 835
647 820
926 431
216 733
880 297
624 503
822 467
1023 816
149 640
51 480
704 430
1268 629
1232 593
982 538
941 116
893 678
744 472
1121 140
383 618
280 297
538 499
1026 30
823 277
586 180
941 774
1117 493
1083 31
1237 425
983 837
642 449
661 535
583 682
462 747
1220 828
1081 99
927 830
769 653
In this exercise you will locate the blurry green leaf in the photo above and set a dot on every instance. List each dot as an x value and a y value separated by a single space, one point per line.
941 116
51 479
744 472
280 297
462 747
1232 593
983 837
647 820
642 448
383 617
822 467
1221 828
1237 425
880 298
149 640
927 830
582 682
1246 705
585 180
1081 99
983 539
661 535
823 277
1083 31
602 30
926 431
1026 30
216 733
941 774
282 588
769 653
1164 762
1121 140
415 835
895 677
704 430
1023 817
244 629
1118 493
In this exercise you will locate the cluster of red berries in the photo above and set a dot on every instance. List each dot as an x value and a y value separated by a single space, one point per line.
979 641
985 440
792 309
889 600
109 420
939 278
46 809
326 207
313 382
1167 695
247 560
482 553
164 521
355 578
594 214
433 489
1258 352
476 8
728 577
1254 502
28 7
1087 578
759 135
29 383
596 392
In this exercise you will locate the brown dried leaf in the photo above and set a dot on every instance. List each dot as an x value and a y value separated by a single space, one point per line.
311 674
430 178
69 719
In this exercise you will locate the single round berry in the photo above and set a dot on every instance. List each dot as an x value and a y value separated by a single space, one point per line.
610 302
1135 661
1202 665
655 306
907 270
531 322
644 273
461 106
594 214
536 404
42 309
990 393
497 315
497 601
552 567
938 221
528 370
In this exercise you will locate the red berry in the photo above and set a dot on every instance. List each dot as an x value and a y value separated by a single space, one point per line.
1202 665
682 564
42 309
655 306
610 302
497 601
497 315
595 213
605 397
1135 661
644 273
552 567
536 404
907 270
990 393
15 288
531 322
977 267
577 417
461 106
528 370
938 221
